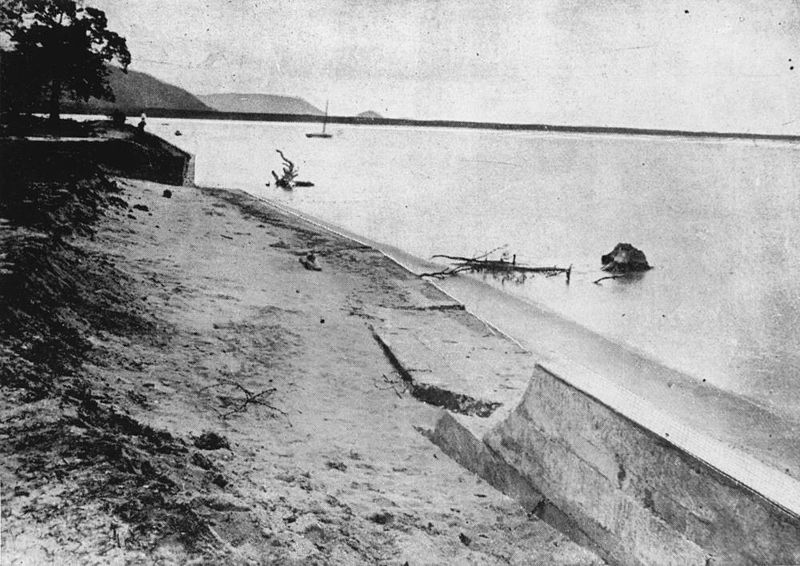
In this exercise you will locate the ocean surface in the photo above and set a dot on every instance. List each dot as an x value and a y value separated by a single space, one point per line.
718 219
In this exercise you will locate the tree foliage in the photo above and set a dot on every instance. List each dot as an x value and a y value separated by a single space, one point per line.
61 48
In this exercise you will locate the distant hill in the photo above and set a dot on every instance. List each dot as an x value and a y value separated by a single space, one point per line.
136 92
370 115
259 104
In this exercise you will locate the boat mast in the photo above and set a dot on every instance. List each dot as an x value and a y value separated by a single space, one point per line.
325 120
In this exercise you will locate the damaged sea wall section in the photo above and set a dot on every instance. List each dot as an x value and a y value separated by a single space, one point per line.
634 494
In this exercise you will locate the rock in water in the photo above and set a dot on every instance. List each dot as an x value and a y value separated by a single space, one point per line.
625 258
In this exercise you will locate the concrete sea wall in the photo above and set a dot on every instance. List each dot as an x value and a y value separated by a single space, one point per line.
636 496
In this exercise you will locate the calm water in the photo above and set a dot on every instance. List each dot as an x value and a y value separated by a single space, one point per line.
718 220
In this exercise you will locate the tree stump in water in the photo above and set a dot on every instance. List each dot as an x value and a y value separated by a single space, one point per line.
624 258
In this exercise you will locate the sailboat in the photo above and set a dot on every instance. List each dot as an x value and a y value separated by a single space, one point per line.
322 134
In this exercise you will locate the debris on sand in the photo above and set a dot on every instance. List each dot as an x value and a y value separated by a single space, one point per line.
336 465
381 518
309 261
202 461
211 441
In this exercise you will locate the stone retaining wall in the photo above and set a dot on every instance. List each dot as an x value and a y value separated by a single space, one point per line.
140 157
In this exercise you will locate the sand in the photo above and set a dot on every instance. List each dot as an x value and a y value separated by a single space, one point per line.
326 463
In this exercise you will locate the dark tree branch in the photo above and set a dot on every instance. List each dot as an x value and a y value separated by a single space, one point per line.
597 281
239 405
481 264
290 173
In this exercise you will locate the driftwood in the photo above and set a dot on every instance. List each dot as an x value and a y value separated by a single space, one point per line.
597 281
238 405
290 172
288 180
483 264
395 384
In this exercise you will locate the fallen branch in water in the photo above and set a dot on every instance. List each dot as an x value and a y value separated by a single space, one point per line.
490 252
597 281
289 180
290 173
445 272
482 264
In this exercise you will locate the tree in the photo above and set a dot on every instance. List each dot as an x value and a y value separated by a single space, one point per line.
64 47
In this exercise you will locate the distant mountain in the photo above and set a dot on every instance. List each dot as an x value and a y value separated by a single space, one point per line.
259 104
136 92
370 115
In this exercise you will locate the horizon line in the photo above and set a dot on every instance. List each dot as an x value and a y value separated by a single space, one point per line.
463 124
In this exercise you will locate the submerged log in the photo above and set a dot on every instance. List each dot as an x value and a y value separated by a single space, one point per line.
624 258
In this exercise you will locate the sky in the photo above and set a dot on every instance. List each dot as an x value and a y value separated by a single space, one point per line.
695 65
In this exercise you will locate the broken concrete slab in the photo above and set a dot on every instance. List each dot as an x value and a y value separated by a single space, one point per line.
453 351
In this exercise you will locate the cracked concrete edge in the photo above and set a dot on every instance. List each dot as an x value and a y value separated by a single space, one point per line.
430 393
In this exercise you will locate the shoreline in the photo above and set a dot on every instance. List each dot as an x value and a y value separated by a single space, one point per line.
671 393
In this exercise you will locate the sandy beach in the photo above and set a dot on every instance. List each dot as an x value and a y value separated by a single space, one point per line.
246 413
